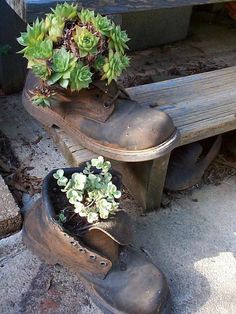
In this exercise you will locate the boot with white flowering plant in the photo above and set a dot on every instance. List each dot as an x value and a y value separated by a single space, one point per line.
78 223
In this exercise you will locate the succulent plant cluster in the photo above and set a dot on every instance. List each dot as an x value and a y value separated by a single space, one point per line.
70 48
92 194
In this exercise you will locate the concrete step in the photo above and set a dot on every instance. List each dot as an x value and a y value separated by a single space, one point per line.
10 217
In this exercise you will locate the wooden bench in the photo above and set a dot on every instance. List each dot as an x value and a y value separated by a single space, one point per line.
200 105
37 8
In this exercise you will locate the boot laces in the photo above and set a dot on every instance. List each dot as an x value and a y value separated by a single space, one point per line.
121 91
111 102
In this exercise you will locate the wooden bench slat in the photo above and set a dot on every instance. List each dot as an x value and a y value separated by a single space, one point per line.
200 105
35 8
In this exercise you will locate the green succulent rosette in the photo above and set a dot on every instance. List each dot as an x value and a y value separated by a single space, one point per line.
114 65
86 16
103 24
65 11
86 42
71 47
63 63
81 77
55 26
118 40
34 34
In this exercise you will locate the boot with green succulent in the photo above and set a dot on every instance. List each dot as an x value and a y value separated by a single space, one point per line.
75 58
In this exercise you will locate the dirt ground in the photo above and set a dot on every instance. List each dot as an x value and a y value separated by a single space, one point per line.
193 239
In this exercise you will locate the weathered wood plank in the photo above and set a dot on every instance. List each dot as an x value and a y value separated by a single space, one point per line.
145 180
35 8
200 105
18 6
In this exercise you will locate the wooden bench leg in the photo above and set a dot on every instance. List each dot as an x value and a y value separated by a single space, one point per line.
145 180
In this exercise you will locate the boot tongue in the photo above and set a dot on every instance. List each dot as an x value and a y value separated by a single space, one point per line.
106 236
118 228
92 104
112 89
96 103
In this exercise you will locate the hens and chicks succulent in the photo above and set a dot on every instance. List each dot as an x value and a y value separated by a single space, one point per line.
71 48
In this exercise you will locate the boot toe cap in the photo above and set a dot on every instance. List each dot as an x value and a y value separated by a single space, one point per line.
141 288
148 129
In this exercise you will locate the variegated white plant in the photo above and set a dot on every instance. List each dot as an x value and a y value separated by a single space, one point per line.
93 195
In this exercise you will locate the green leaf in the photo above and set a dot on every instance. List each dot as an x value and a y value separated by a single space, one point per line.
65 11
86 16
79 207
62 218
86 41
63 63
115 64
92 194
79 180
40 50
60 173
62 60
35 33
107 177
80 77
92 217
99 63
62 181
103 24
118 40
40 68
54 78
39 99
106 166
55 26
64 83
117 194
104 213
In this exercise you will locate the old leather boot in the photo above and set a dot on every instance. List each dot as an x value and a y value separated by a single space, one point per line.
188 164
229 141
105 120
119 278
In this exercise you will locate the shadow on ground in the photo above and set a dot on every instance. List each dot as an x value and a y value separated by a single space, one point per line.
194 243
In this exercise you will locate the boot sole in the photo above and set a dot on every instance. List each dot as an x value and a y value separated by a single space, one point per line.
107 309
44 255
48 118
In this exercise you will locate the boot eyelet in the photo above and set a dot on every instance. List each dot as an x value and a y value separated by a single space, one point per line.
103 263
92 257
106 105
82 250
